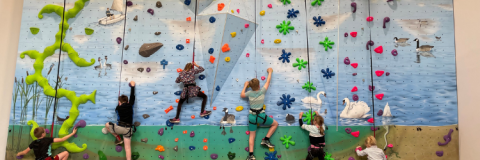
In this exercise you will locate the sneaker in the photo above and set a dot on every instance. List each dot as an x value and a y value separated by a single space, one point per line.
175 120
251 157
118 142
267 143
205 113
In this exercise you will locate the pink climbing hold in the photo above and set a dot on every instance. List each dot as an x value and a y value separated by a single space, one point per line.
248 55
354 65
379 73
390 145
247 25
247 132
369 19
262 41
354 89
269 5
379 50
238 11
379 96
370 120
270 116
356 133
353 34
263 78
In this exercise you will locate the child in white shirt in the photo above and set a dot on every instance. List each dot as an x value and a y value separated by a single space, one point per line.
372 151
316 136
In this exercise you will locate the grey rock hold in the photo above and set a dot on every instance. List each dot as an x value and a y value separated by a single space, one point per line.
175 148
158 33
136 124
144 140
147 49
155 92
145 116
126 47
136 18
159 4
140 69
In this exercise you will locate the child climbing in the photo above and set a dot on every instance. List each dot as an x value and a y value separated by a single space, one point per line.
257 115
316 136
190 89
372 151
124 123
42 146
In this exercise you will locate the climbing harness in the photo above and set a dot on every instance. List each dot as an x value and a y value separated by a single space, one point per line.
257 112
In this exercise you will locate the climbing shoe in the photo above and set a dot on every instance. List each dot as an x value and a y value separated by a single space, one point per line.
175 120
267 143
118 142
205 113
251 157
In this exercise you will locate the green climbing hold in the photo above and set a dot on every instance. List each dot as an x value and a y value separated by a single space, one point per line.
285 2
327 43
308 116
231 155
286 141
328 156
135 155
284 27
34 30
301 63
309 87
317 1
89 31
101 156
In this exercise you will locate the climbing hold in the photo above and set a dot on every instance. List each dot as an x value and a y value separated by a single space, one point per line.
232 10
346 34
353 34
34 30
212 19
187 40
247 132
447 138
354 74
210 50
308 116
135 18
231 155
356 133
185 132
118 148
286 101
136 124
319 2
179 70
119 40
220 6
85 156
348 130
318 21
148 69
227 59
175 148
390 145
262 41
238 11
212 59
286 141
262 13
140 69
379 49
374 129
369 19
247 25
145 116
284 27
148 49
129 3
380 112
168 122
387 74
394 52
371 88
160 132
439 153
189 18
47 131
207 116
351 158
327 73
160 148
239 108
379 73
176 139
101 156
178 93
369 43
225 48
370 120
191 148
346 61
355 97
193 116
247 55
285 2
385 20
231 140
155 92
354 89
285 57
158 4
201 77
269 5
187 2
379 96
233 34
247 149
309 86
214 108
135 155
150 11
327 43
89 31
354 65
214 156
161 157
126 47
204 140
300 63
205 148
354 5
292 13
263 78
180 47
163 63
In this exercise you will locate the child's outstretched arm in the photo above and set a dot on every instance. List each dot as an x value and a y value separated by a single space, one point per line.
269 70
198 69
55 140
243 95
360 152
132 93
24 152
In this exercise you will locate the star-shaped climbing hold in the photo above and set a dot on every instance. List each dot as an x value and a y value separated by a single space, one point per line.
309 87
327 43
286 101
319 2
285 57
318 21
292 13
308 116
271 155
301 63
328 156
285 2
328 73
286 141
284 27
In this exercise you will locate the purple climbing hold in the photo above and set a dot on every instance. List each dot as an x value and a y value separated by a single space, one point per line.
447 139
125 62
351 158
75 135
346 34
369 43
80 124
348 130
20 157
394 52
387 74
354 5
374 129
150 11
385 20
192 134
118 148
346 61
371 88
247 149
279 156
380 113
129 3
160 132
354 74
47 131
439 153
355 97
119 40
214 156
161 157
148 69
85 156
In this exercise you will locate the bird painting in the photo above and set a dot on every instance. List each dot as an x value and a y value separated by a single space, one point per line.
227 119
401 41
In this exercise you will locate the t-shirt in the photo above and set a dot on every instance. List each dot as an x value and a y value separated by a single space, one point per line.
125 111
256 98
373 153
315 136
42 148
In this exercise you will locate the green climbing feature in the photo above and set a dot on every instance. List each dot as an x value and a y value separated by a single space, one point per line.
101 156
328 156
34 30
319 2
43 82
309 86
308 116
135 155
286 141
89 31
284 27
327 43
300 63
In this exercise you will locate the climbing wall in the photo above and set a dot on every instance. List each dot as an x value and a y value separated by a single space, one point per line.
349 63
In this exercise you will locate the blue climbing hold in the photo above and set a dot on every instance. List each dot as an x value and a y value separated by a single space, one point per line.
218 88
180 47
285 56
191 148
201 77
169 124
178 93
187 2
271 155
292 13
286 101
210 50
212 19
230 140
206 117
318 21
327 74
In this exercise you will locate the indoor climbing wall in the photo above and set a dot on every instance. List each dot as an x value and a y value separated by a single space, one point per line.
368 67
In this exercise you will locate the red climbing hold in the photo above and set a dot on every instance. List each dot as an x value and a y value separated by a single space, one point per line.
370 120
220 6
179 70
354 89
212 59
379 73
379 49
369 19
379 96
225 48
354 65
189 19
356 133
353 34
188 40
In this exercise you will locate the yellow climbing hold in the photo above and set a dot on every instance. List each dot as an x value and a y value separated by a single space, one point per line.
232 10
227 59
271 149
239 108
233 34
277 41
264 106
262 12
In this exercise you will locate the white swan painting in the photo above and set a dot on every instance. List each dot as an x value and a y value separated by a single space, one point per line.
318 101
356 109
386 111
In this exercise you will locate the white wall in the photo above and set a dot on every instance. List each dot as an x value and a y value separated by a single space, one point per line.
467 42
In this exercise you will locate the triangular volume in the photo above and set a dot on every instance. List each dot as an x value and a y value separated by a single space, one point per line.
202 5
243 9
191 4
227 60
386 111
216 7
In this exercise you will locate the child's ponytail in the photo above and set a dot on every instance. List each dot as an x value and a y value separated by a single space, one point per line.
319 121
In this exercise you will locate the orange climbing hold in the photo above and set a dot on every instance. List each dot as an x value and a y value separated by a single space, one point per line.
185 132
225 48
212 59
188 40
189 19
179 70
214 108
205 147
160 148
205 140
193 116
168 109
220 6
177 100
176 139
203 91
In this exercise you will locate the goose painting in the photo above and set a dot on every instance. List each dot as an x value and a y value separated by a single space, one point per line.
424 50
422 22
99 67
107 65
317 101
117 5
401 41
227 119
358 109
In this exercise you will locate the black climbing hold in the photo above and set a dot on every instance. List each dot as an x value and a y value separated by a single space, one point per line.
136 18
140 69
158 33
180 47
187 2
210 50
212 19
159 4
201 77
129 3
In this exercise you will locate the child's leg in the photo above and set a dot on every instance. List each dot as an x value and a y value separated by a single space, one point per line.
204 101
63 155
107 125
128 149
251 141
179 108
272 128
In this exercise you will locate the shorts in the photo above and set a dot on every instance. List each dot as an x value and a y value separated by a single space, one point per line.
125 131
261 118
50 158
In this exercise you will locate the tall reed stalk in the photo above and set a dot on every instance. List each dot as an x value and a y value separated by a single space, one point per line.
14 98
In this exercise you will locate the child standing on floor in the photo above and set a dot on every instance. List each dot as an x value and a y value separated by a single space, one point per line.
42 146
372 151
316 136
